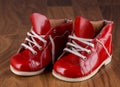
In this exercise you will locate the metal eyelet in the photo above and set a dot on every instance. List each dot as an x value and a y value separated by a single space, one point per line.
35 53
89 52
84 59
40 48
54 31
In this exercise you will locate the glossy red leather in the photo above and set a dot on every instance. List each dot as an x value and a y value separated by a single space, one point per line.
80 24
26 61
72 66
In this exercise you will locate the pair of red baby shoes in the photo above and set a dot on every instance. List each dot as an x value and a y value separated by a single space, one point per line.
77 49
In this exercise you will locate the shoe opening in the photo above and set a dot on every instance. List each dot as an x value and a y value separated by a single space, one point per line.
99 25
57 22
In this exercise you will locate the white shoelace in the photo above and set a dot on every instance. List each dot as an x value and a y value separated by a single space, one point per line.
76 48
34 42
31 41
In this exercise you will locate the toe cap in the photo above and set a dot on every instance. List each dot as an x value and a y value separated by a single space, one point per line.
19 62
67 69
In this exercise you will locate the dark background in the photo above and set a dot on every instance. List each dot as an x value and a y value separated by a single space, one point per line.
14 23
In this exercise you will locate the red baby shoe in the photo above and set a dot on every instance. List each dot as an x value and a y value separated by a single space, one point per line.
43 44
89 49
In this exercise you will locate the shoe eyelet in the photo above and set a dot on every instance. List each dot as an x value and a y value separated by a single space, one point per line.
35 53
40 48
54 31
89 52
84 59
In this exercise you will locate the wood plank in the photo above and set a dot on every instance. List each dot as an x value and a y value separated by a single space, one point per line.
86 9
59 2
14 23
63 11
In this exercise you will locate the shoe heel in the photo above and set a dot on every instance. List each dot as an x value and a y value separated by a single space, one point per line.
108 60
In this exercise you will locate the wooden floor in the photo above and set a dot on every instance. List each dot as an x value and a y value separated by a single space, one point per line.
14 23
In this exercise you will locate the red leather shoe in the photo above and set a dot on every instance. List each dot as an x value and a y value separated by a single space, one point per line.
88 50
43 44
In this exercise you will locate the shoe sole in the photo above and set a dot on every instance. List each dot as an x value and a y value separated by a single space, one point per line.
22 73
107 61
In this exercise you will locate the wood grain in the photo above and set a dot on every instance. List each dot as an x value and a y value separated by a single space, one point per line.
14 23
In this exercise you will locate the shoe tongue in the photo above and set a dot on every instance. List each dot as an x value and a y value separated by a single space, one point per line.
83 28
40 23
